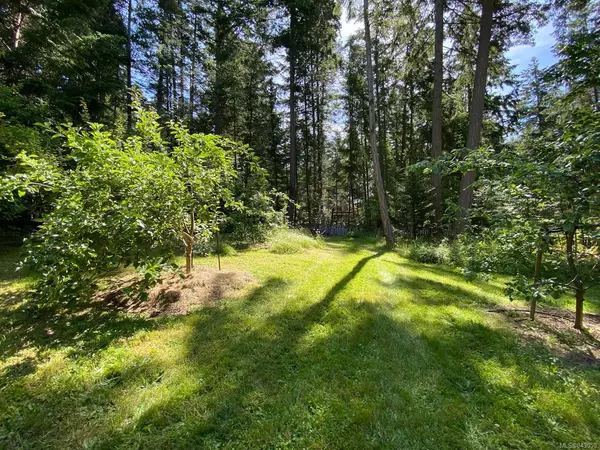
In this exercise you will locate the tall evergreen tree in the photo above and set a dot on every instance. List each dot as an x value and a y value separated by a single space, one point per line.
381 194
465 198
438 80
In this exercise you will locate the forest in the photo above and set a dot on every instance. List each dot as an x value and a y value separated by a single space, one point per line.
300 224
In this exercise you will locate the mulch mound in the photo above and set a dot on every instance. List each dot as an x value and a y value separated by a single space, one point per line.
553 327
176 296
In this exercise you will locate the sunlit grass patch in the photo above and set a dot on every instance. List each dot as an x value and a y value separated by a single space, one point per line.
345 345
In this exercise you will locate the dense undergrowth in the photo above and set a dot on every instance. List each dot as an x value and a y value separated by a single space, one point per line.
476 256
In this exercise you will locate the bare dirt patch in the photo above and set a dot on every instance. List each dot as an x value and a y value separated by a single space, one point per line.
553 327
176 296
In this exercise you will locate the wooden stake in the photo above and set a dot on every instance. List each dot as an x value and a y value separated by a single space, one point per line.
218 251
536 278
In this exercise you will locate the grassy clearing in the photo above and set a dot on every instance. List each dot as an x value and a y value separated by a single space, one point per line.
453 256
341 346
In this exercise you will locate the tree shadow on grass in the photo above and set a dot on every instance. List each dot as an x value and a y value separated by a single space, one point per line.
10 257
344 373
371 382
354 377
351 245
430 292
24 323
440 270
258 360
434 293
52 412
82 328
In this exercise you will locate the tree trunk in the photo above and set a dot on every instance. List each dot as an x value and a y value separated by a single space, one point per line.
320 144
438 79
579 287
273 131
411 120
378 94
405 123
579 298
189 245
193 69
188 259
129 65
383 208
315 142
19 20
465 199
173 70
220 57
160 93
307 148
181 80
293 187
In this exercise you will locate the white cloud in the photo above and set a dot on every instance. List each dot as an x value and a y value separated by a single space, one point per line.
521 55
349 27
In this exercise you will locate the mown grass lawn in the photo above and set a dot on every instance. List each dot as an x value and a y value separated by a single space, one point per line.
348 346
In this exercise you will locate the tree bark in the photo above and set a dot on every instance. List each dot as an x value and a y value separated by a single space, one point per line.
220 58
273 130
188 238
307 147
160 91
383 208
404 141
173 79
411 121
465 199
193 68
293 187
438 79
19 20
320 145
182 65
129 64
314 90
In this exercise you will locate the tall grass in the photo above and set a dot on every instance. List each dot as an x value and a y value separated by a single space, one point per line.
287 241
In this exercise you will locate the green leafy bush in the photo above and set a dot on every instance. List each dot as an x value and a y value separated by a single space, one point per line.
500 252
204 248
119 203
226 250
118 206
522 287
210 248
14 139
259 216
429 253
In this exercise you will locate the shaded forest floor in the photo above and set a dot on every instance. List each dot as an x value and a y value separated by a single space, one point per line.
345 346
